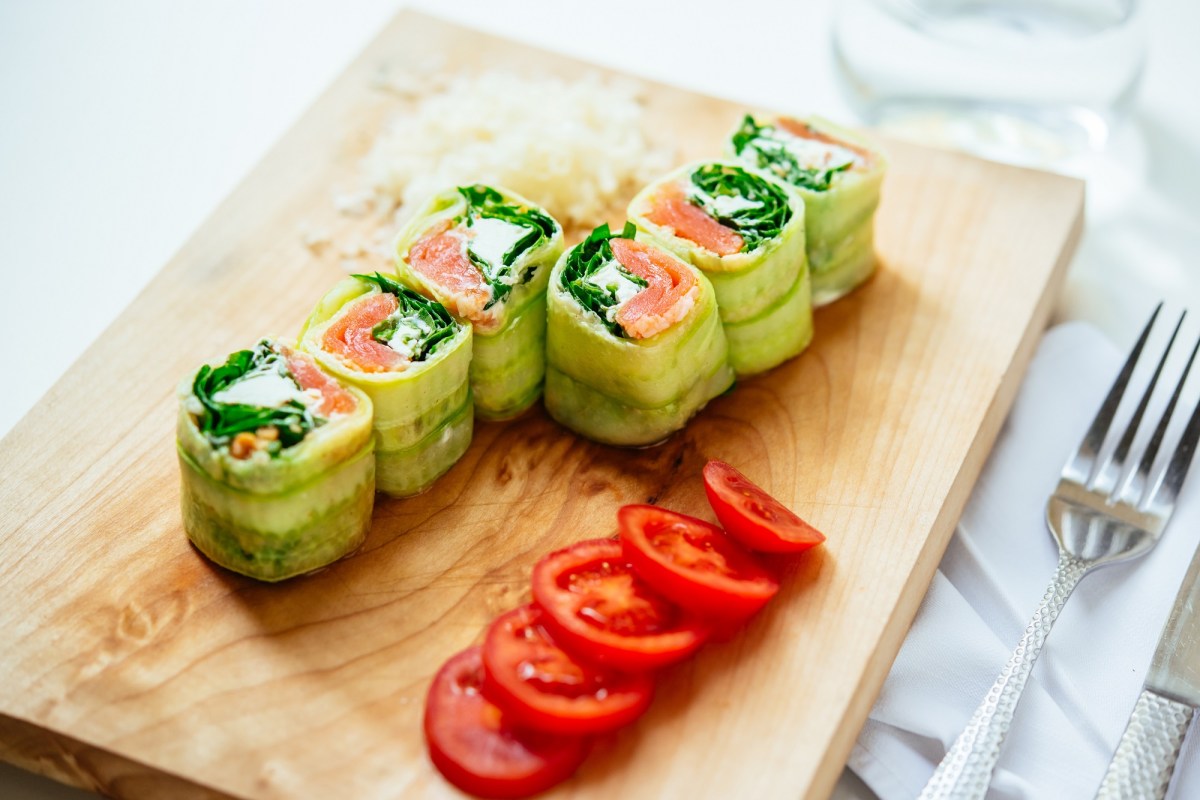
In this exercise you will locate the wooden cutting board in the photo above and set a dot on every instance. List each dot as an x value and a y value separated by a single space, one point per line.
132 666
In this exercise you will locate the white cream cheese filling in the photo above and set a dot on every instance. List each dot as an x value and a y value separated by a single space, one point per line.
264 387
492 239
612 277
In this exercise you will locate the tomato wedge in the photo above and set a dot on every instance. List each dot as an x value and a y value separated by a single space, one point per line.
474 746
694 563
753 517
542 686
599 608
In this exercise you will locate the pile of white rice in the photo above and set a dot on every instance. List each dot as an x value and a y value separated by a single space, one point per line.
574 147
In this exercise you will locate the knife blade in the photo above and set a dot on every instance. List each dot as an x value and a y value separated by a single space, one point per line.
1145 757
1175 670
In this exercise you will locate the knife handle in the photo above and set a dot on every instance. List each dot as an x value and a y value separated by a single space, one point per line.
1145 758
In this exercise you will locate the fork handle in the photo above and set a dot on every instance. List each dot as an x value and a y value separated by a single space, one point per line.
966 770
1145 759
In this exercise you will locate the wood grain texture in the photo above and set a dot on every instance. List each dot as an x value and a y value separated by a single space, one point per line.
132 665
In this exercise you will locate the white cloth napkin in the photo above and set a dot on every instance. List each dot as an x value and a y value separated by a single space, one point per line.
991 579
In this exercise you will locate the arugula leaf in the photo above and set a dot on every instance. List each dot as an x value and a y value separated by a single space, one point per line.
429 315
771 153
486 202
592 255
747 133
762 219
220 422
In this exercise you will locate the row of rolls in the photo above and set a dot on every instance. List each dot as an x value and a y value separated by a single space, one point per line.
625 336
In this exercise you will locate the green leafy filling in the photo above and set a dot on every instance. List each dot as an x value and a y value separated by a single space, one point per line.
592 255
425 323
762 215
484 202
770 152
220 422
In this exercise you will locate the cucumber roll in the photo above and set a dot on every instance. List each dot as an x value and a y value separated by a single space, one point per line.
745 232
278 463
411 357
485 254
634 345
839 175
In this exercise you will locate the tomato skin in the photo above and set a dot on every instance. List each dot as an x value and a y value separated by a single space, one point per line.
475 747
600 610
541 686
753 517
694 563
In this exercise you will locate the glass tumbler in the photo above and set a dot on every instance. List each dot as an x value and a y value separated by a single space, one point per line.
1035 82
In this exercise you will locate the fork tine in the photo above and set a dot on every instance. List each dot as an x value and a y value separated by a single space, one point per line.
1136 492
1117 459
1082 464
1170 482
1156 441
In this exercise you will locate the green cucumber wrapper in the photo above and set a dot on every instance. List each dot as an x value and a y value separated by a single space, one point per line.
406 471
323 449
602 418
775 335
408 403
641 373
273 536
509 358
407 433
848 266
509 365
835 215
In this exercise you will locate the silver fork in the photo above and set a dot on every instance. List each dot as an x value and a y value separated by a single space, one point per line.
1101 512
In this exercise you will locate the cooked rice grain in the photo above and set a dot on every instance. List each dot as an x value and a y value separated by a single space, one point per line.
576 147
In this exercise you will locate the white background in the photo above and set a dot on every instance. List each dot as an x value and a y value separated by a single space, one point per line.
126 123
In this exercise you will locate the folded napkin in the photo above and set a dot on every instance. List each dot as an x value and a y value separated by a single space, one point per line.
991 579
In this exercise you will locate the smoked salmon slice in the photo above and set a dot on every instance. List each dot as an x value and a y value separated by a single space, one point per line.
350 336
805 131
441 257
667 299
334 399
671 208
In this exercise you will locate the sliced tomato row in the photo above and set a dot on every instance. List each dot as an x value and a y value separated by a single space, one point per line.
753 517
544 687
478 749
514 717
694 563
601 608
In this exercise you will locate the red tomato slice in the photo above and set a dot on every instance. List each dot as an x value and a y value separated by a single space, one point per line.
596 606
474 746
694 563
542 686
752 516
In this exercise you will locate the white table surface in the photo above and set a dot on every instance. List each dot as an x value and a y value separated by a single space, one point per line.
126 123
